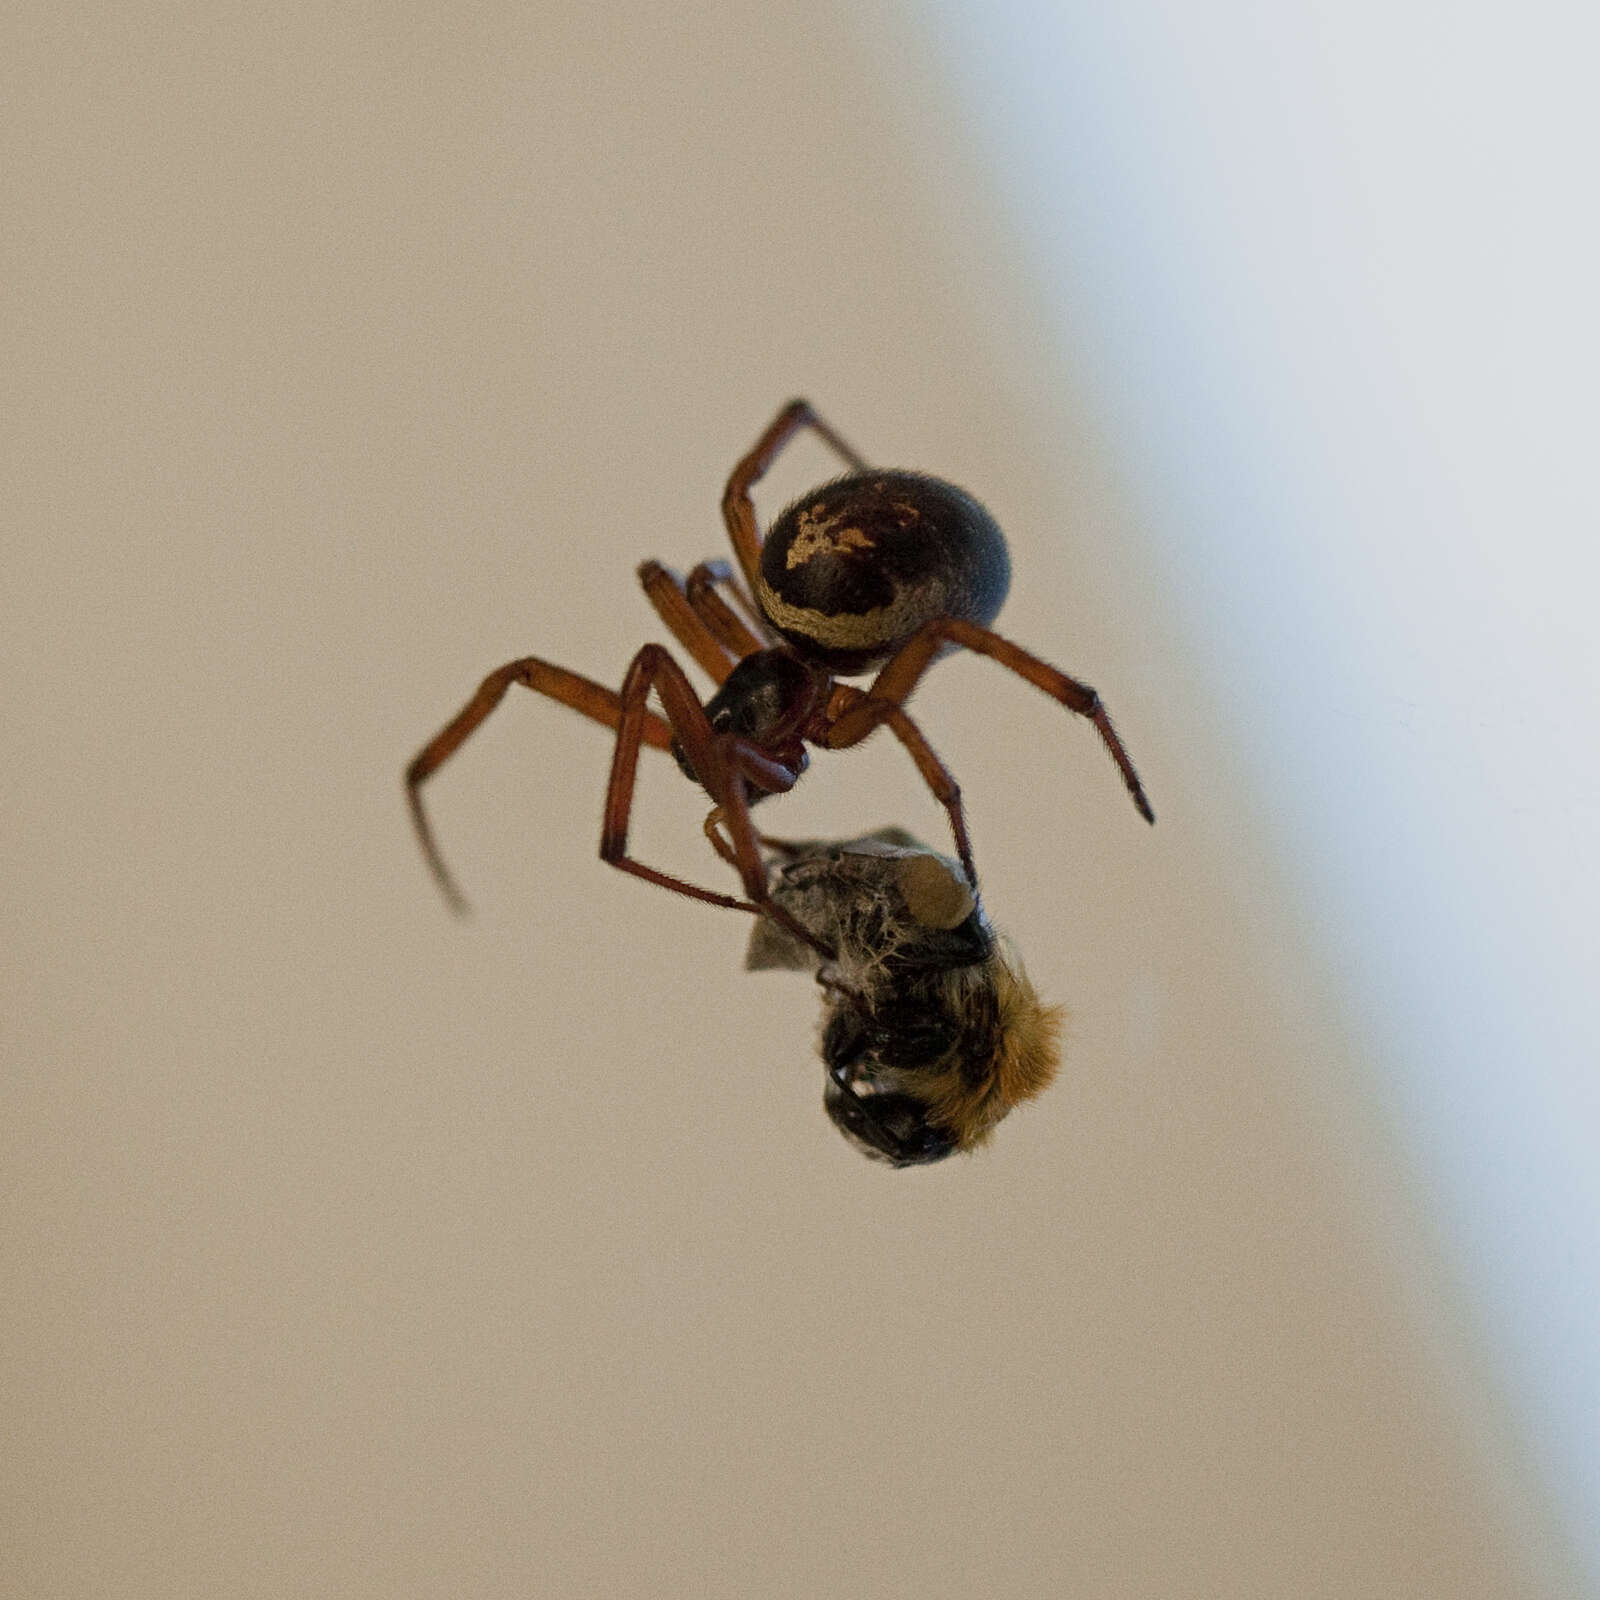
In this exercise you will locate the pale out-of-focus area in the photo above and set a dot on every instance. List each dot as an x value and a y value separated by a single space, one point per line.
353 1249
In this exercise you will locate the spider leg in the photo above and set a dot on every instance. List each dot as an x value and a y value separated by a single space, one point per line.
713 831
788 848
903 670
581 694
716 820
737 511
665 591
724 764
733 631
863 713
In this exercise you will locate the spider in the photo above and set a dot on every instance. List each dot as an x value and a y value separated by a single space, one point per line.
878 568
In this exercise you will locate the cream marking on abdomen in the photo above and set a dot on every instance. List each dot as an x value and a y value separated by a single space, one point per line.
819 536
879 628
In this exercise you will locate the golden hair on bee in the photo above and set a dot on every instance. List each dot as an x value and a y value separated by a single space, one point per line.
1026 1058
931 1031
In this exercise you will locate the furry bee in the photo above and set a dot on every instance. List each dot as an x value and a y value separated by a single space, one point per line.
931 1031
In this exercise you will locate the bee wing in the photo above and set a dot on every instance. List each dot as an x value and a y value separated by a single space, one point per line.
773 948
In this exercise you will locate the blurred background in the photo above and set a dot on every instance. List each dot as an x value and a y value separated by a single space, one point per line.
353 1249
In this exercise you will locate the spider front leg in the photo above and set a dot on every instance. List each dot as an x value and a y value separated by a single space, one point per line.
737 510
905 668
857 713
594 700
724 764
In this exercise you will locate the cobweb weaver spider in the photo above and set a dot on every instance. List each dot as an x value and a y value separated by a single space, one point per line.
874 567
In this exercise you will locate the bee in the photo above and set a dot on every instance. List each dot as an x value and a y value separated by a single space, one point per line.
931 1031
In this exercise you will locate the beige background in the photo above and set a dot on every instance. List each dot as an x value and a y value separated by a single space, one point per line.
353 1250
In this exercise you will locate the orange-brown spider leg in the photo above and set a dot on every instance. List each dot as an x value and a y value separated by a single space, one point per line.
731 629
724 764
864 713
713 825
737 511
665 591
899 677
716 819
829 980
788 848
581 694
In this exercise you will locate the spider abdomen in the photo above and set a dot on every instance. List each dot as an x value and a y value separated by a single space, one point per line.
850 571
